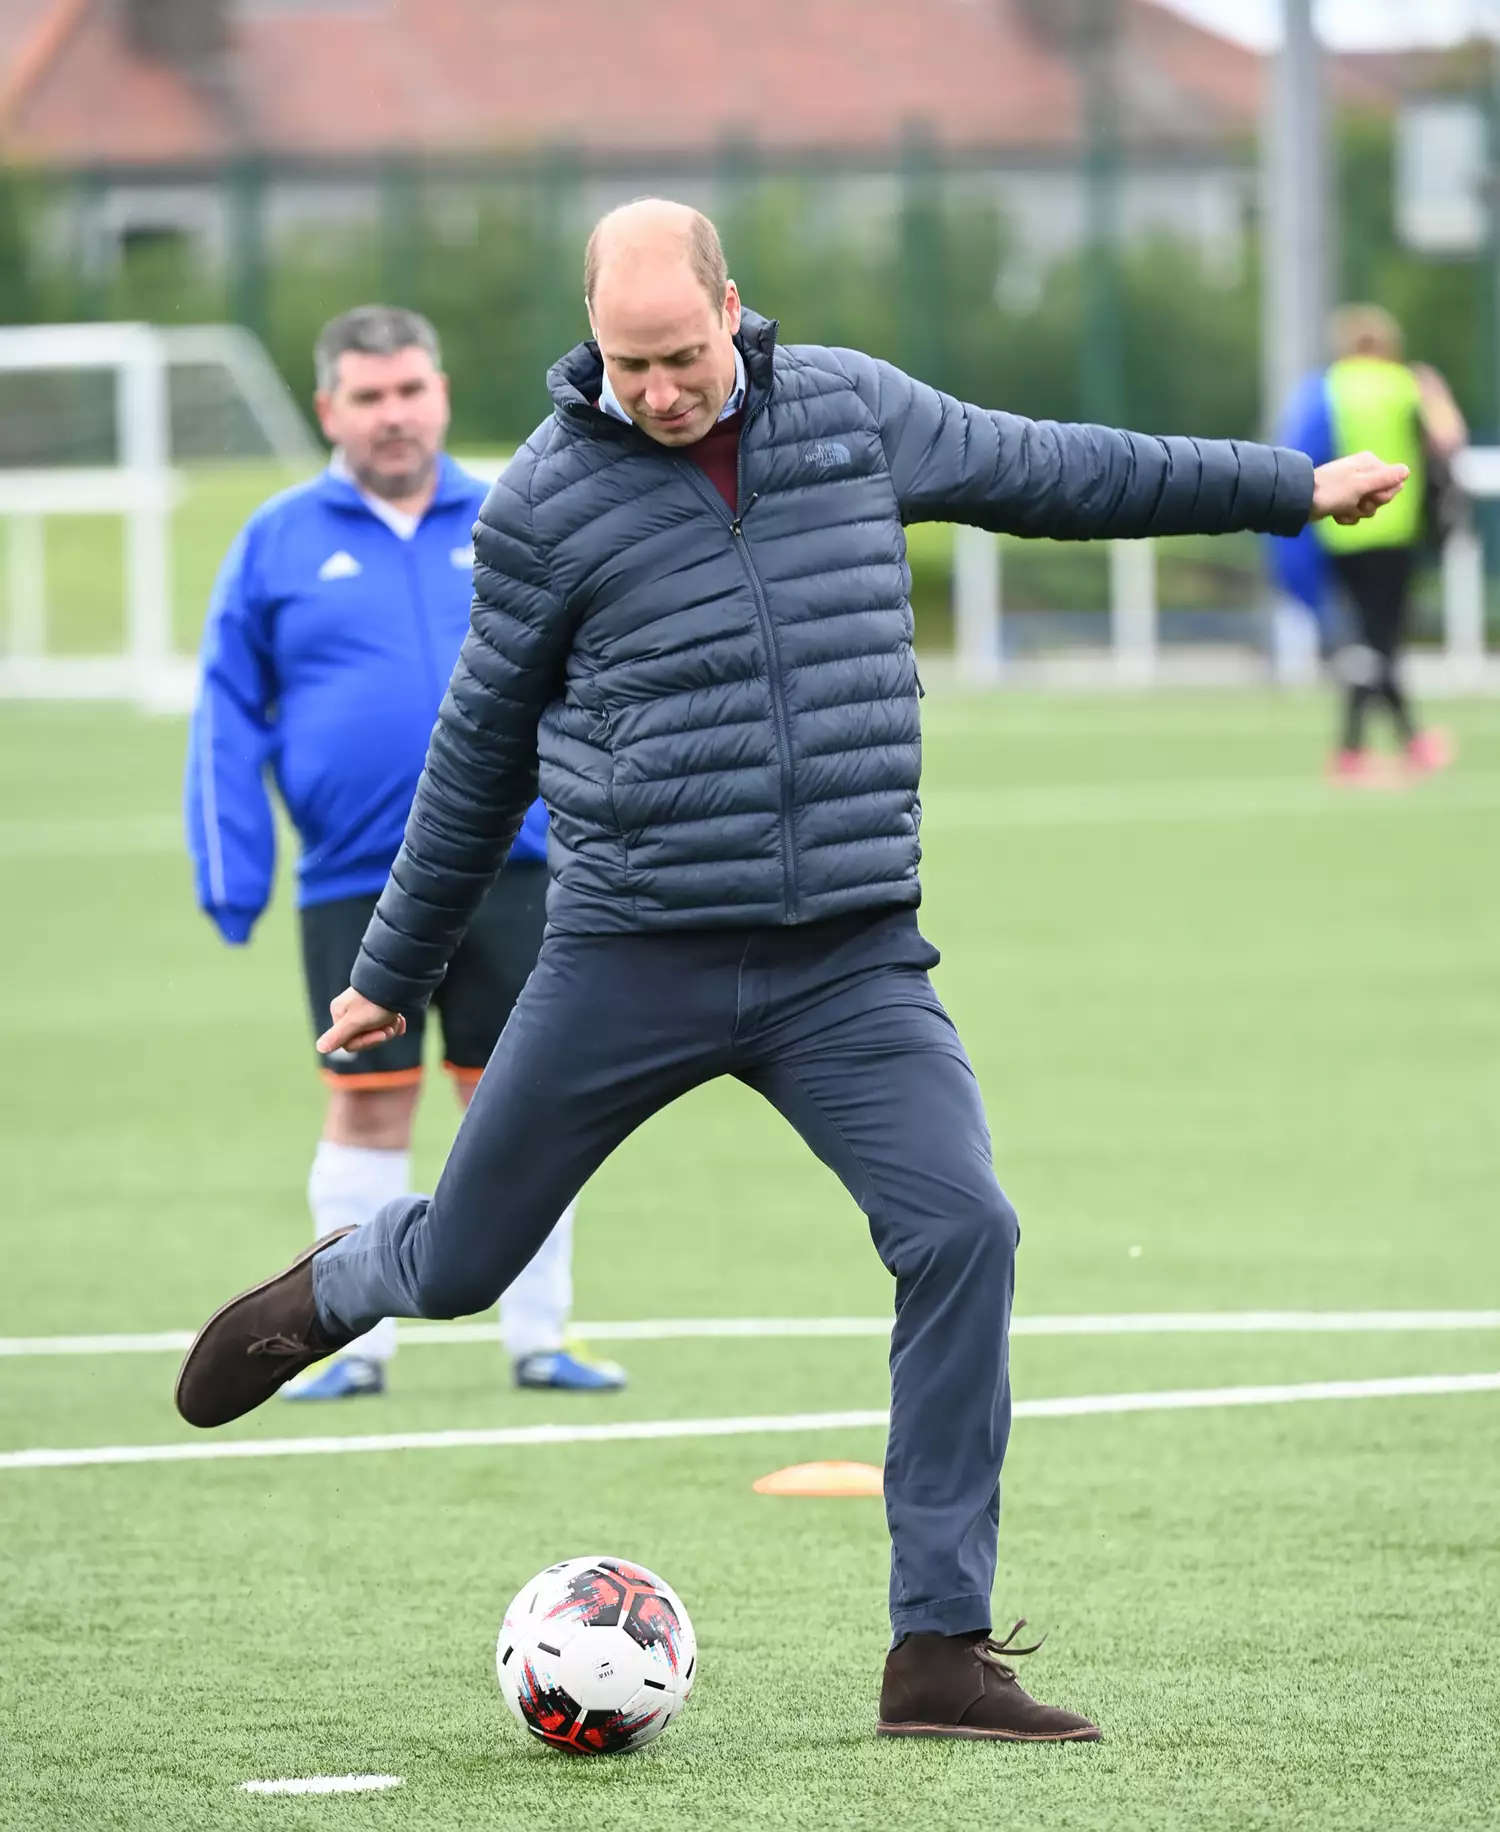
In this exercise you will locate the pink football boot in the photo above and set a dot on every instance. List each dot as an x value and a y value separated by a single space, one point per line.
1430 751
1362 770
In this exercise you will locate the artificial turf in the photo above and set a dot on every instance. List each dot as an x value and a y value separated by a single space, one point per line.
1238 1041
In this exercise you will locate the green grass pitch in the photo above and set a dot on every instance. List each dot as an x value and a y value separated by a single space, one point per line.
1238 1039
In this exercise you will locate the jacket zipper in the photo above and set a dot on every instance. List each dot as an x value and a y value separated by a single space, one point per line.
773 655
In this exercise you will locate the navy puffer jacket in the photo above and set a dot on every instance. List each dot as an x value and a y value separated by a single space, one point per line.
724 706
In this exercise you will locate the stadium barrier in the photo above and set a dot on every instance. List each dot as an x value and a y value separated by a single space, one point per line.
1287 655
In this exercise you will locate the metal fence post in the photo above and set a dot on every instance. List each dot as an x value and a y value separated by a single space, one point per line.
245 263
1102 377
401 230
1132 610
921 289
144 422
1463 605
977 604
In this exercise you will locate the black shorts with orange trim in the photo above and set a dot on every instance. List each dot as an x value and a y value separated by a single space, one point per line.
483 982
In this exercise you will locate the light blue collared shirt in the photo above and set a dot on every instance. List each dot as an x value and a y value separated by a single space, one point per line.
609 401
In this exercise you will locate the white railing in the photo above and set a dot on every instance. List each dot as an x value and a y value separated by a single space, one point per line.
143 490
1136 657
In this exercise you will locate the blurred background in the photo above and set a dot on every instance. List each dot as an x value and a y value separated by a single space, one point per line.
1137 211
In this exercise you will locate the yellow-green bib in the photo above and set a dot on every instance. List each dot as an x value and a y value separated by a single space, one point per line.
1376 406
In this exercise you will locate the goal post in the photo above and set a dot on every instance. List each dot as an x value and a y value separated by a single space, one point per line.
127 432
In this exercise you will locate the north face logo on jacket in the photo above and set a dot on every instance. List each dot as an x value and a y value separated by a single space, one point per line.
827 455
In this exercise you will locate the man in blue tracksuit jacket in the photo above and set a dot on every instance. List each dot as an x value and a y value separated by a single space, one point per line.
334 626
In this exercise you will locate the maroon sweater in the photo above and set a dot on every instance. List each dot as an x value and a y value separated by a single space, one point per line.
718 453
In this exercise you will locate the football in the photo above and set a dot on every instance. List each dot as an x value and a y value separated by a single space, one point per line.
596 1656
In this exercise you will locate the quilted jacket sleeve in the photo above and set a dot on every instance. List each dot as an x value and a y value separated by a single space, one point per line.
481 770
956 463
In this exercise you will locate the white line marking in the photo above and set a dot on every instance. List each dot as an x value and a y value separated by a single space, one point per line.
685 1329
1401 1386
501 1437
1257 1323
324 1784
512 1437
174 1340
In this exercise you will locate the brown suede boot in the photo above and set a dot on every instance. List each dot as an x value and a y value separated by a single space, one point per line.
958 1686
254 1344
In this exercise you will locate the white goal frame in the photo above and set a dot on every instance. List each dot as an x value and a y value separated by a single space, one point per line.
141 487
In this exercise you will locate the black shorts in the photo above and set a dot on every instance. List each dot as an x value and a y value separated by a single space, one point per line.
483 982
1378 581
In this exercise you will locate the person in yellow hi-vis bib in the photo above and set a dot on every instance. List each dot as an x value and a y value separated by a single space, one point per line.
1376 401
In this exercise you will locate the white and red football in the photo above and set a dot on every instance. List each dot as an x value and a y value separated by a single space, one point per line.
596 1656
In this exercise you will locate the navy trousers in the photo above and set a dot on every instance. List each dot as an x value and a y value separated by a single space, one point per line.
837 1025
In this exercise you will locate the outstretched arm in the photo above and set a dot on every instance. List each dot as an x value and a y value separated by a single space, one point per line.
950 461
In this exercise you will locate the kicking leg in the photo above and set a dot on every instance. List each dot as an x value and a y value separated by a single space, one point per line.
363 1161
608 1030
536 1305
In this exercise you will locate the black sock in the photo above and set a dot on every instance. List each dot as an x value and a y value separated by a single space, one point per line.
1390 691
1356 699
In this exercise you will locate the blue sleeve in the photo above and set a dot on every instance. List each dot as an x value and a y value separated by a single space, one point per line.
1306 422
231 834
1299 565
531 841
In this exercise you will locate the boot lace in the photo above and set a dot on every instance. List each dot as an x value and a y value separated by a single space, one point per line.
279 1345
990 1651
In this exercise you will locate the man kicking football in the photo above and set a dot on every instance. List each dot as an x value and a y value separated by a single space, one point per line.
691 605
333 629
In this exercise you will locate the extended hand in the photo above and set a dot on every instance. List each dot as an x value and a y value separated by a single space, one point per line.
1352 489
358 1024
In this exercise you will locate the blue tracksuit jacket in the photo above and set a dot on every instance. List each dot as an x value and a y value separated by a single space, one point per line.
327 651
1298 563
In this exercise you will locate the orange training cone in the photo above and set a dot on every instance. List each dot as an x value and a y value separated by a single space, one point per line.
835 1478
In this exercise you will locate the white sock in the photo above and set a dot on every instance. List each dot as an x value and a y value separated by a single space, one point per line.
534 1309
345 1187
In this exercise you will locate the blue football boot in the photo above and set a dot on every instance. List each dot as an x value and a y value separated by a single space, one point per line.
348 1377
561 1371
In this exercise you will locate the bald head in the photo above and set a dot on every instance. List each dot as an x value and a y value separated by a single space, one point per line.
664 313
653 231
